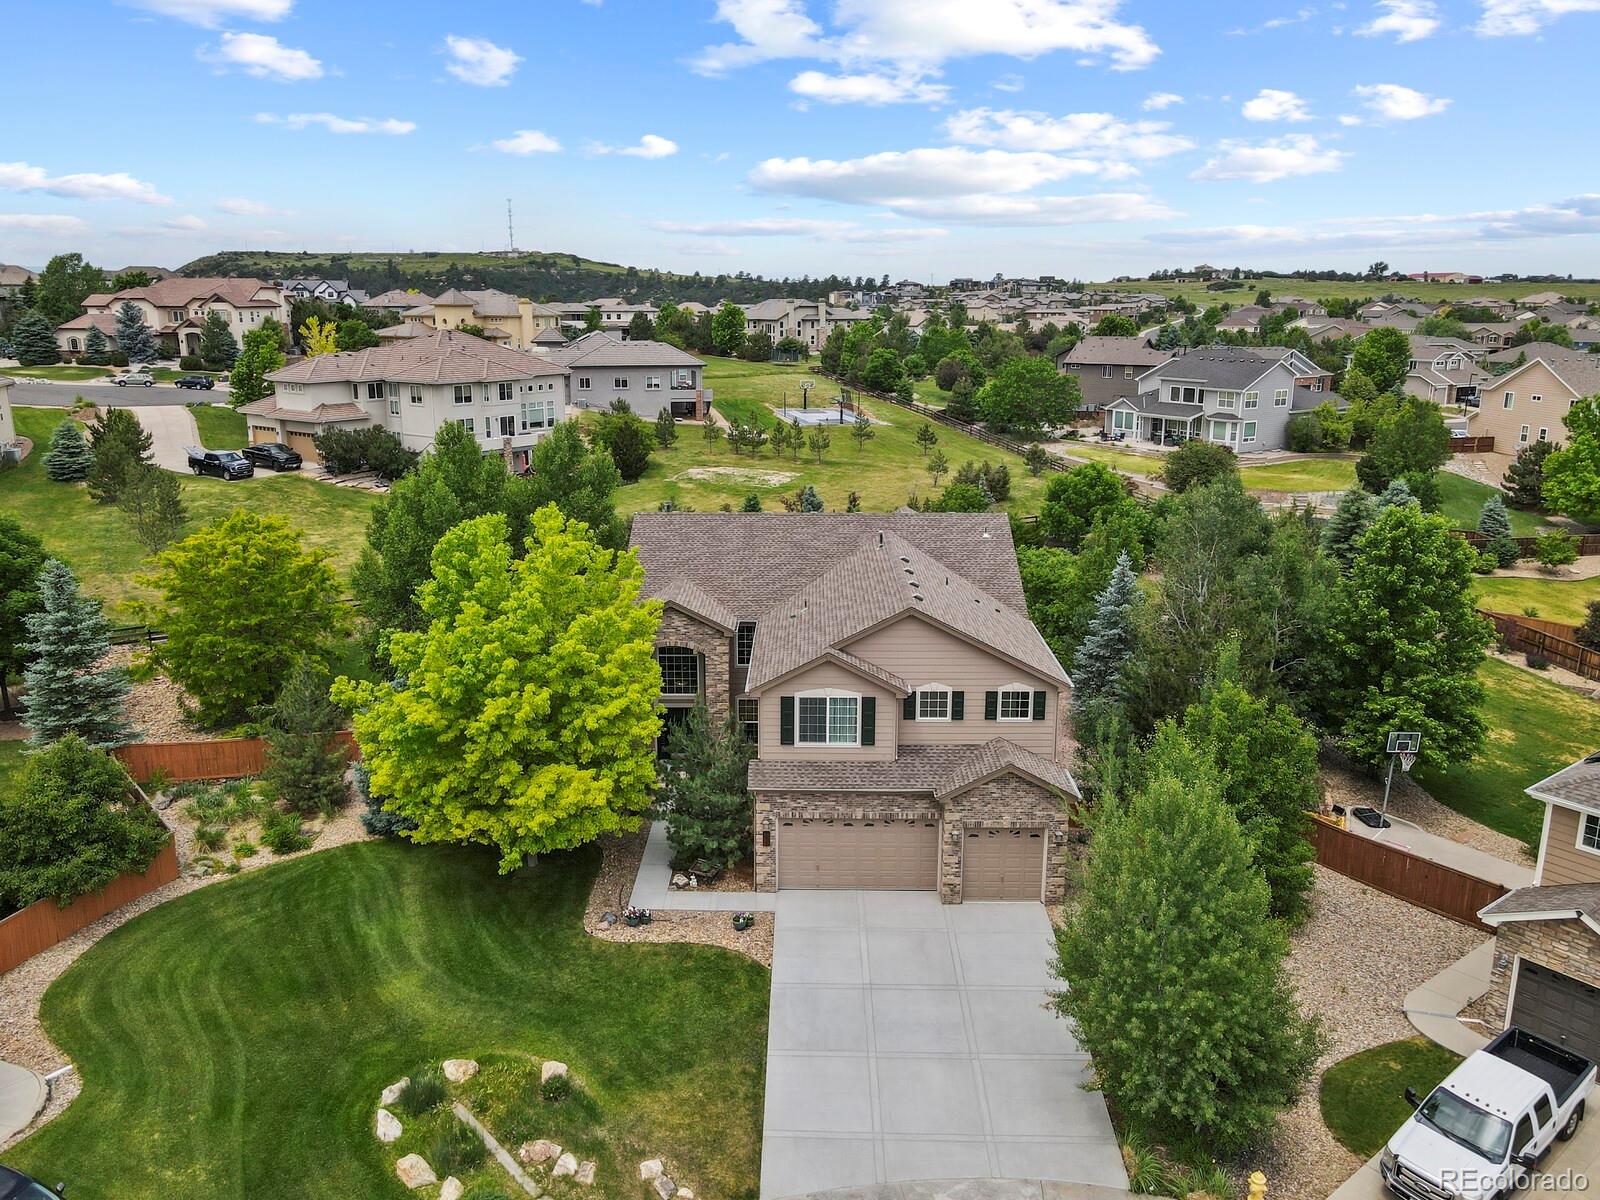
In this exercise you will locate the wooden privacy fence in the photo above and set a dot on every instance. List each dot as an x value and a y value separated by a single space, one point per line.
1404 875
226 758
1551 639
44 923
1528 547
1471 445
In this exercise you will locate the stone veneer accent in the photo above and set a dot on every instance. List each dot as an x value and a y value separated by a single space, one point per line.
716 653
1570 947
1006 802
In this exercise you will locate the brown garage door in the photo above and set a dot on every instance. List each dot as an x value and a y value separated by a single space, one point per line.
1002 864
1558 1007
263 433
302 443
887 855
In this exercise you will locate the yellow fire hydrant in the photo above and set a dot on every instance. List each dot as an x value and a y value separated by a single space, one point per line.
1258 1186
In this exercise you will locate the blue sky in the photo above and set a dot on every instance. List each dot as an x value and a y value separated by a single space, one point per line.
920 138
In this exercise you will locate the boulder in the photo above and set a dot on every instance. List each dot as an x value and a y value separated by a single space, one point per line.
650 1169
550 1070
451 1189
567 1164
415 1172
664 1187
585 1174
388 1127
534 1153
392 1092
684 1194
459 1070
679 881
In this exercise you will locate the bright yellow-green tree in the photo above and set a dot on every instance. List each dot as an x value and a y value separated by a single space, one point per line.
526 709
319 337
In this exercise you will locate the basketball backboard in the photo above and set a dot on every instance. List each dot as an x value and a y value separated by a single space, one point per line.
1405 743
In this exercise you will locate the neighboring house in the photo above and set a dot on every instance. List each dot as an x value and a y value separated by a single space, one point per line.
909 720
1546 970
13 277
615 314
1247 317
175 309
1528 402
1584 337
1304 309
334 291
1444 370
506 399
8 428
1235 396
650 376
1538 299
1492 335
809 320
396 301
510 320
1107 367
1318 328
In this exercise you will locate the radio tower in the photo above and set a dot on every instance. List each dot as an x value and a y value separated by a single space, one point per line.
511 237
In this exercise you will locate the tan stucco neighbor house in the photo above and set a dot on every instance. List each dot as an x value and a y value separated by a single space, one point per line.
1546 972
909 721
175 308
1529 402
510 320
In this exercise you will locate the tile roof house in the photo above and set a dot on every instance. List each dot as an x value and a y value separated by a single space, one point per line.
1546 968
13 277
507 399
1105 367
1528 402
650 376
513 320
175 309
909 721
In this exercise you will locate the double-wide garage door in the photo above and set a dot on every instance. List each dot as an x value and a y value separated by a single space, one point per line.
1558 1007
880 854
1002 864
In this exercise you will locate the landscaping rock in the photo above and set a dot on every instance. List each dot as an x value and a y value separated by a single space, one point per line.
664 1187
567 1164
585 1174
679 881
607 919
388 1127
451 1189
650 1169
415 1172
550 1070
459 1070
534 1153
684 1194
392 1092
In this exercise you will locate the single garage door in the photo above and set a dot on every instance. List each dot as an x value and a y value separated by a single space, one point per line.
1558 1007
302 444
263 433
1002 864
867 853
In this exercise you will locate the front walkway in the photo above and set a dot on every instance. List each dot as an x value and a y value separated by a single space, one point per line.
22 1096
910 1040
652 890
974 1189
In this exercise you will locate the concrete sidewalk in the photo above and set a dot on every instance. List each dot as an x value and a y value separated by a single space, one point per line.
22 1097
1433 1006
652 890
1406 836
171 429
972 1189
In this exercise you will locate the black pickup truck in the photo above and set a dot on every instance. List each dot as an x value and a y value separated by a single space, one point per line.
14 1185
224 464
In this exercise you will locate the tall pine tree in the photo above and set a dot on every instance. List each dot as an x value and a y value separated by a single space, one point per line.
69 691
1097 670
1495 524
33 340
1351 518
96 348
133 336
305 765
1397 492
1524 480
217 345
120 445
69 458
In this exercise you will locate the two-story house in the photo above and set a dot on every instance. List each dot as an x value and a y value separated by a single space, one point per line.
1236 396
910 723
175 308
332 291
514 321
1444 370
1106 367
650 376
506 399
1529 402
1546 969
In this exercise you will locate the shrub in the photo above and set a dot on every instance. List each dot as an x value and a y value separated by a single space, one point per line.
376 820
456 1150
485 1190
1538 662
1555 549
424 1092
1485 563
119 358
556 1089
281 833
191 362
1588 634
244 848
703 785
1304 434
209 837
343 451
1197 463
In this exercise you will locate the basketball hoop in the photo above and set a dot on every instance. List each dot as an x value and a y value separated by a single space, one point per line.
1406 759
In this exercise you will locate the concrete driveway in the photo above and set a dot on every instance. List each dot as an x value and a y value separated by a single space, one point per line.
908 1040
170 429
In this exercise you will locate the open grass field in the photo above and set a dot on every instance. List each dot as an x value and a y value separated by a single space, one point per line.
221 1059
1126 461
1333 289
1553 599
1535 727
1302 475
1363 1096
221 428
94 539
64 372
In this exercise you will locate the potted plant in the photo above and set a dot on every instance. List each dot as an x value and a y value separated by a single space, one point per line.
634 917
743 920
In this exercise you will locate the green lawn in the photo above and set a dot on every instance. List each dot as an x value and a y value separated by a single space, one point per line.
928 392
1363 1096
10 763
1302 475
884 473
1535 728
1461 499
221 428
1554 599
65 372
94 539
222 1059
1125 461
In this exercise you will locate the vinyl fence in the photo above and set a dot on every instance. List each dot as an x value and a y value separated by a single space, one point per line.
1551 639
43 924
227 758
1404 875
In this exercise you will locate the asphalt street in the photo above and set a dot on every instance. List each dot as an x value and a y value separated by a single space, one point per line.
61 395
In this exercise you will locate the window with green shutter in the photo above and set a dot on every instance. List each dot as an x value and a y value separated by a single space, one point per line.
991 706
786 721
908 709
869 721
1038 706
958 706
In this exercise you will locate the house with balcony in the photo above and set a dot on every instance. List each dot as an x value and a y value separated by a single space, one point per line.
650 376
175 308
506 399
910 723
1236 396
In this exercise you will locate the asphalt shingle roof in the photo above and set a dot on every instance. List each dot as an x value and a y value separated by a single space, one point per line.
1099 350
1576 784
1579 368
600 349
436 356
1581 898
1228 368
933 770
1001 755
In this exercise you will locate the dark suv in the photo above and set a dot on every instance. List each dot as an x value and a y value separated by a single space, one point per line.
14 1185
224 464
274 456
203 382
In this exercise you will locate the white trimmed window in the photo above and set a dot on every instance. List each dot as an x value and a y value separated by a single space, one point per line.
1522 437
933 702
1016 703
394 406
1280 398
1122 419
1227 399
507 390
462 393
1252 399
1105 371
465 423
750 719
652 383
1219 431
1536 398
1249 431
829 719
1508 399
416 393
1589 833
583 383
744 640
680 670
620 382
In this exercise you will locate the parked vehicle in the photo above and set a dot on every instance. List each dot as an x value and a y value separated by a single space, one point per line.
273 455
135 378
14 1185
1492 1120
204 382
224 464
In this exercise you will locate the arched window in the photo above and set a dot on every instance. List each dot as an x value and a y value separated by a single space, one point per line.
72 343
680 670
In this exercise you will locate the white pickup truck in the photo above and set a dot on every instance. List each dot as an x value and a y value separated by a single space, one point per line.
1479 1133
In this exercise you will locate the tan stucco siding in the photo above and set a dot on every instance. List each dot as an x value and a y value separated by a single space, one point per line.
1564 862
1504 424
828 676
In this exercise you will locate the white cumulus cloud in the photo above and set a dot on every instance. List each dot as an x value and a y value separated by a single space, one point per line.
1393 102
1275 104
1406 20
263 56
49 223
209 14
1157 101
241 206
651 145
1518 18
807 227
117 185
337 124
871 89
527 141
1099 133
1264 162
479 61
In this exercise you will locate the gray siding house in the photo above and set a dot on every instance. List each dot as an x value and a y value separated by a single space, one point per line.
1239 397
1107 367
650 376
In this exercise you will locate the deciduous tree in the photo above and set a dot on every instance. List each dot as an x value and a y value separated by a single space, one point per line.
22 557
1382 355
1072 500
1197 463
1572 473
727 329
1026 395
261 355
